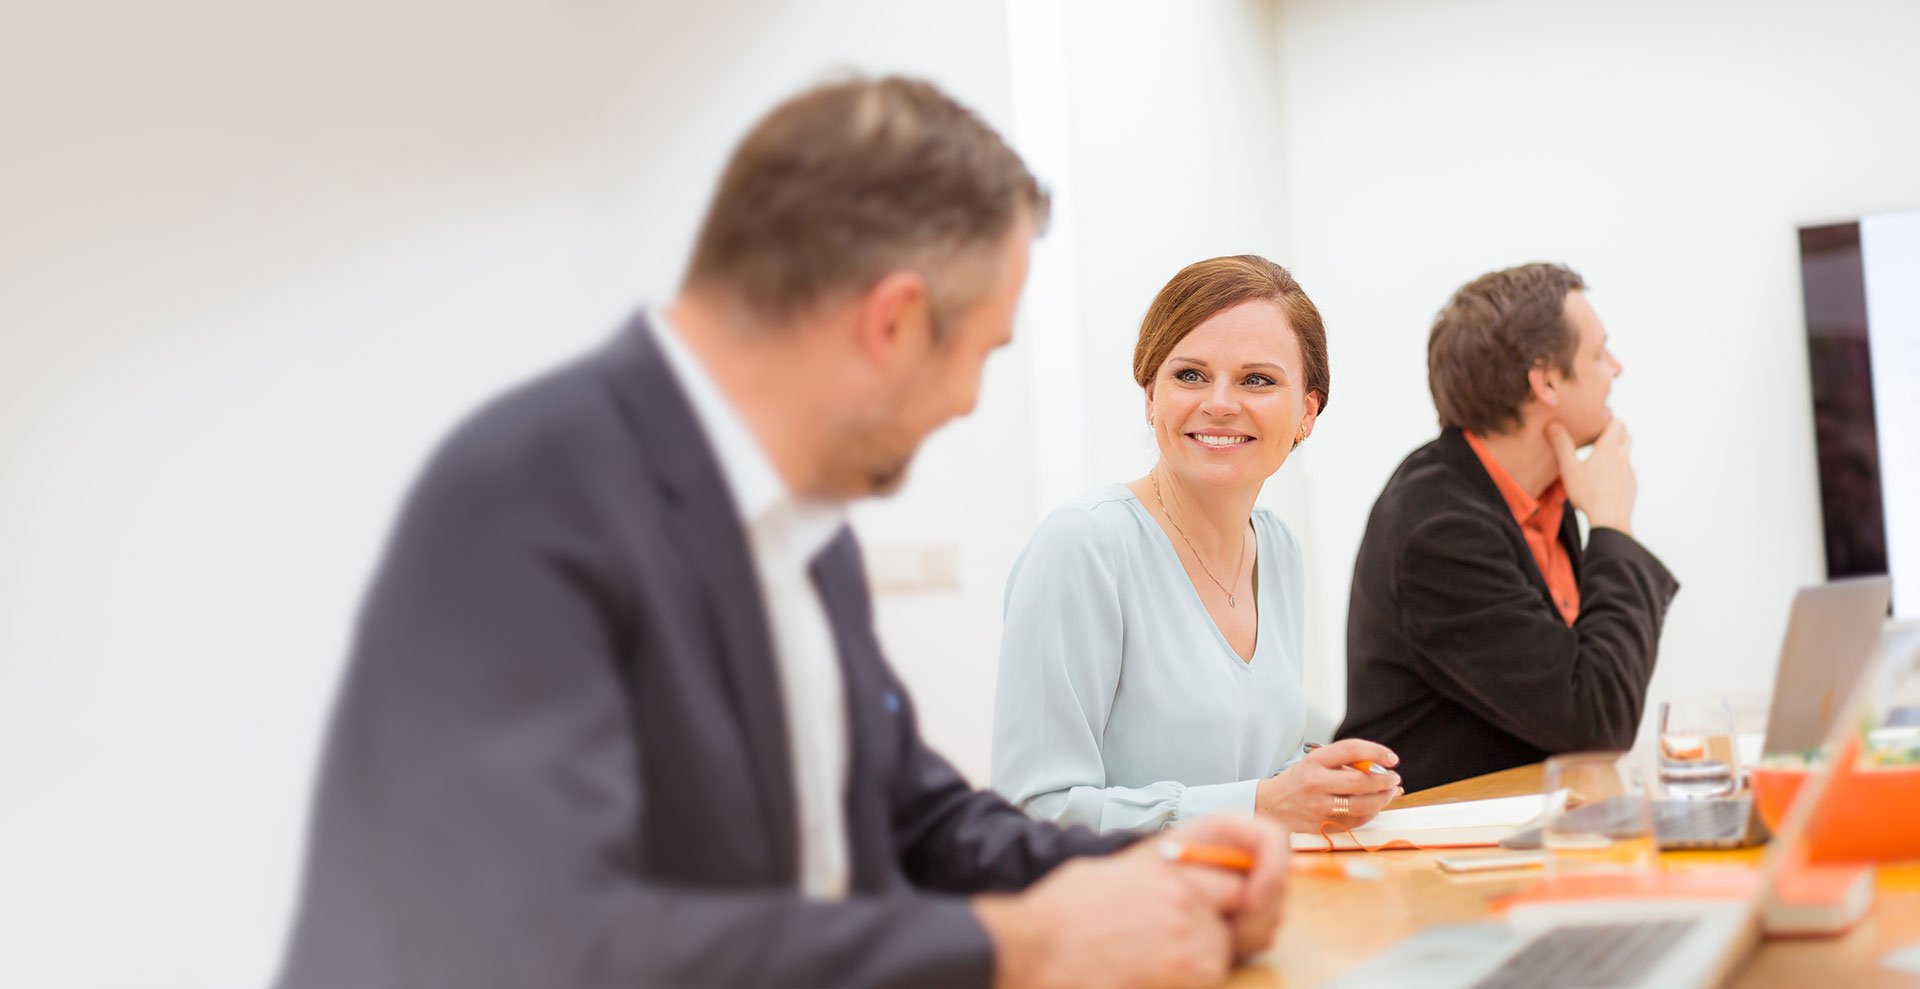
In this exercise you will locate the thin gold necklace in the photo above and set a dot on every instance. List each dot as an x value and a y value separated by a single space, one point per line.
1232 600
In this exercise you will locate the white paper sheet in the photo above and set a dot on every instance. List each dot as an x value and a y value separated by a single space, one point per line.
1497 812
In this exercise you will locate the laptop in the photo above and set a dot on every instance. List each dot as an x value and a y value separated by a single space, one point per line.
1626 943
1832 630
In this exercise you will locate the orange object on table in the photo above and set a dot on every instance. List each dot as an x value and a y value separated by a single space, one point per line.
1871 815
1219 856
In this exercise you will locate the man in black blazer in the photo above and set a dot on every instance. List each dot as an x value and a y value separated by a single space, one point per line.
580 742
1480 634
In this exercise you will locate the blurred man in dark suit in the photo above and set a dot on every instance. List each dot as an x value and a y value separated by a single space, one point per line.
616 715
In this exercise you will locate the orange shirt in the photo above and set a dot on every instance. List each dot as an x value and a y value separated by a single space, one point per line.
1539 520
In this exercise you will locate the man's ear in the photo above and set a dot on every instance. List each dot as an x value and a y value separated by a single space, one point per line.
893 318
1545 382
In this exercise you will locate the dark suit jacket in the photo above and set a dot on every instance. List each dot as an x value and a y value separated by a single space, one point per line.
559 757
1456 656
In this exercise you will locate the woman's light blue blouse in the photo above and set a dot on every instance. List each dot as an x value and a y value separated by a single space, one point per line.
1119 704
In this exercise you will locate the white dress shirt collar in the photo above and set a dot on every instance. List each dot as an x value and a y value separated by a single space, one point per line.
788 527
785 534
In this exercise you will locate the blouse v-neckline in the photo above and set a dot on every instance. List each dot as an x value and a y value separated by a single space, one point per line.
1260 614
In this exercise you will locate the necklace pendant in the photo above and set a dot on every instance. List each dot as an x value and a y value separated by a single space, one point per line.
1233 602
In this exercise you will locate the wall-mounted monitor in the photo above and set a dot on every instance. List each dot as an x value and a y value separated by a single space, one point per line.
1862 287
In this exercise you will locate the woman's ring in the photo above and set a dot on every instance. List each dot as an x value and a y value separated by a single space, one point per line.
1340 807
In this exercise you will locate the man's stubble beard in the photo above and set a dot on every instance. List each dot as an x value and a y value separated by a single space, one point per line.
889 480
865 460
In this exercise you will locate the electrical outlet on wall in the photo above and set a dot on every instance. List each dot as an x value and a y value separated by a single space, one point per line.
894 568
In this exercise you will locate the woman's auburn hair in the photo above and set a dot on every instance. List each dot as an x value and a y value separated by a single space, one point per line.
1207 288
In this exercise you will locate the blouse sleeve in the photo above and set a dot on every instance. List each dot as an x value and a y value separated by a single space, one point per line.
1060 658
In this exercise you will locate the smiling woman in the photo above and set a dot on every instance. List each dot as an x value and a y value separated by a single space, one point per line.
1150 670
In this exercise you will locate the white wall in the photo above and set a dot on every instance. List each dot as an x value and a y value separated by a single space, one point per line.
256 264
1666 151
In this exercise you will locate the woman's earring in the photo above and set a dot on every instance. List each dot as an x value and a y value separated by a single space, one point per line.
1149 420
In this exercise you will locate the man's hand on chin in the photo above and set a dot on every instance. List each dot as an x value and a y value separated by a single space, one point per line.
1603 485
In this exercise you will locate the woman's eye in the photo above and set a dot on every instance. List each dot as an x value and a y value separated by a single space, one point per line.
1187 375
1259 380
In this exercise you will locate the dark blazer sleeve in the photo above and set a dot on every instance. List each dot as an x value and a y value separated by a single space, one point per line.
475 824
1489 643
947 835
954 837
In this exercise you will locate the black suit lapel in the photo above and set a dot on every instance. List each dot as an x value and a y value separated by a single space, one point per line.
1464 460
841 581
1570 538
701 519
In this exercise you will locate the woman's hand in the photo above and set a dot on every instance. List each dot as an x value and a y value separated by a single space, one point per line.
1302 797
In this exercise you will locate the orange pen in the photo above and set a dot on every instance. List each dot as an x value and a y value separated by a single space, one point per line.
1214 855
1364 765
1239 861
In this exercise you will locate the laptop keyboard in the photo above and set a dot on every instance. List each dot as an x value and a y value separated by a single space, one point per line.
1677 823
1698 820
1588 956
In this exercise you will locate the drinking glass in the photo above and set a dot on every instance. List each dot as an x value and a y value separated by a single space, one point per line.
1697 758
1605 824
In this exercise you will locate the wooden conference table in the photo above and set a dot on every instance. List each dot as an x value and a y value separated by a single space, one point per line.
1334 923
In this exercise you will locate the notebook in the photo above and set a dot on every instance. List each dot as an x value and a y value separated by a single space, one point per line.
1464 824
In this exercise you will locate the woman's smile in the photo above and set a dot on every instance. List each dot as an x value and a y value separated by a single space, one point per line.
1219 441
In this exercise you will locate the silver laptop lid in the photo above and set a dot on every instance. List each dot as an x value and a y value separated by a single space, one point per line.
1831 634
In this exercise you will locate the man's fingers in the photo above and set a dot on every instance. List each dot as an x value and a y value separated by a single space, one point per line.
1257 923
1268 842
1270 863
1222 890
1265 894
1563 444
1216 956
